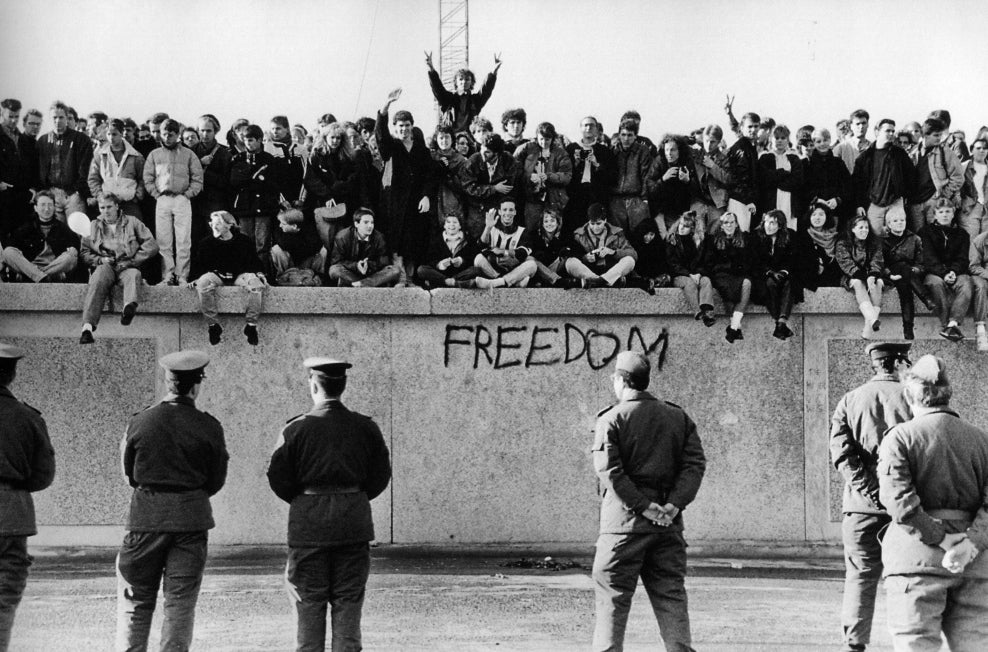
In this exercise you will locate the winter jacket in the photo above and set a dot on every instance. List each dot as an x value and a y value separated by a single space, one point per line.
215 176
945 170
133 246
65 167
945 249
467 249
899 250
460 110
732 260
897 177
175 171
633 165
969 193
773 179
558 170
613 238
346 251
330 175
826 177
478 183
30 239
713 183
106 175
742 159
687 257
251 181
859 259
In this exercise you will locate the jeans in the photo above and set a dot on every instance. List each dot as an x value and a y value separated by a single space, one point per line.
919 215
253 301
707 216
974 220
56 270
437 278
258 229
660 560
951 301
700 295
628 212
525 270
144 559
101 282
979 299
862 571
578 269
336 575
14 562
384 277
173 230
281 261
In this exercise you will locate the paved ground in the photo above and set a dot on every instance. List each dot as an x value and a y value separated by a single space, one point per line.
461 604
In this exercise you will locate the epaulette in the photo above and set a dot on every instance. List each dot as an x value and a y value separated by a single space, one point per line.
673 405
605 410
31 407
146 407
297 416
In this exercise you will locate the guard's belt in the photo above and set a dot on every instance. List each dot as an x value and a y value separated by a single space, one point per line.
950 514
329 490
165 488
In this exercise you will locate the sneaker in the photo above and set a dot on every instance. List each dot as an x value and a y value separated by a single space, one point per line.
483 283
955 334
250 330
86 337
982 339
215 330
708 318
128 314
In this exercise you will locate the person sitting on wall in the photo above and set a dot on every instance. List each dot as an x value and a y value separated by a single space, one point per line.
728 258
859 255
550 249
490 176
450 257
360 255
228 257
653 264
946 257
602 256
118 244
773 270
43 250
297 253
816 243
504 261
902 257
686 253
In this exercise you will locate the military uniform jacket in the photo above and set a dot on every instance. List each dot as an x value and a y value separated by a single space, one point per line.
27 464
858 425
935 461
174 456
329 464
645 450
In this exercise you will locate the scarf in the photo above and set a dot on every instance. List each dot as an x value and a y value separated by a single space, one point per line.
826 239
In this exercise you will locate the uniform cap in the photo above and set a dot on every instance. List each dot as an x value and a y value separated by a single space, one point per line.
11 352
329 367
184 364
879 350
930 370
634 363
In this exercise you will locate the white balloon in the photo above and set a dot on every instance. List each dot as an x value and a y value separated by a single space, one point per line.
79 223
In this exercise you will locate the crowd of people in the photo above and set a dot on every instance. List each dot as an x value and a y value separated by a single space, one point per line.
374 202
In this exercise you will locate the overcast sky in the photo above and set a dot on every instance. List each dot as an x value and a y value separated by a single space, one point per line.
799 61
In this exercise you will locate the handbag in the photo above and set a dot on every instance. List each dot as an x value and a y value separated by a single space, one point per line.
331 211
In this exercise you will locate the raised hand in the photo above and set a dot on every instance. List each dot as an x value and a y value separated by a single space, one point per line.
428 60
729 104
497 61
393 96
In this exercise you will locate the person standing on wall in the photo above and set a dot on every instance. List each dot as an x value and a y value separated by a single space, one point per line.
175 458
328 465
27 464
649 462
859 422
933 478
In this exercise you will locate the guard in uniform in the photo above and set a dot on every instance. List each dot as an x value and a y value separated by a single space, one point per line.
175 458
329 464
27 464
649 462
933 479
859 422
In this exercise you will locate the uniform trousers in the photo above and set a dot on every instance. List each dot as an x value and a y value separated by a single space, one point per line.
921 606
144 559
862 572
173 230
253 288
101 281
660 560
334 575
14 562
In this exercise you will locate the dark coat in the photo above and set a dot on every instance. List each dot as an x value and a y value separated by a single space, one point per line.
215 193
460 110
412 177
27 464
897 169
904 250
686 257
860 260
826 177
817 269
331 175
346 251
439 250
228 259
30 239
175 457
73 170
742 159
672 197
328 451
772 179
652 259
945 249
732 260
254 185
478 184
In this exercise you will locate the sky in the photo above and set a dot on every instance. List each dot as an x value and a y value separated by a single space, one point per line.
799 61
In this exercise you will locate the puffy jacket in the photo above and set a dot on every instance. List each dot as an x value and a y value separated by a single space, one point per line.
133 246
175 171
105 171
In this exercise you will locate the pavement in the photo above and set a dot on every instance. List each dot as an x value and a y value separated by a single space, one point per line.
449 600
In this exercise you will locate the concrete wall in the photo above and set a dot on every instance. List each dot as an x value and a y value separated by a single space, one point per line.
487 400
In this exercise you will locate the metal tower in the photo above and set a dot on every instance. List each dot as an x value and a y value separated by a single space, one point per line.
454 38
